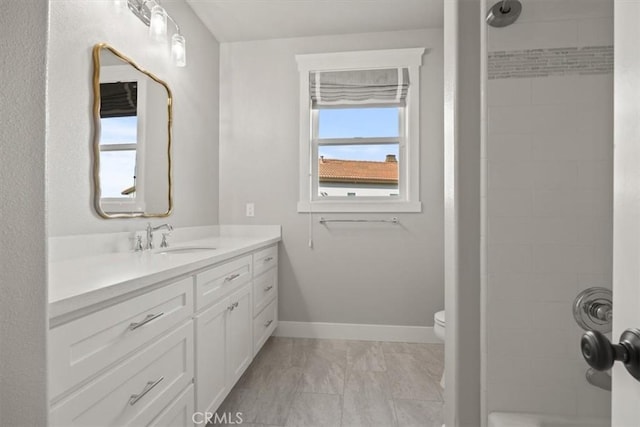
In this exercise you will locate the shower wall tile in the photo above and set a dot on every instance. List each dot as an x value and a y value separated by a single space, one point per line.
509 203
595 32
552 287
524 398
554 175
509 258
545 10
549 197
509 92
533 35
505 147
508 288
509 119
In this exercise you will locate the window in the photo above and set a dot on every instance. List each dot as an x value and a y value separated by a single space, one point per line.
122 100
359 130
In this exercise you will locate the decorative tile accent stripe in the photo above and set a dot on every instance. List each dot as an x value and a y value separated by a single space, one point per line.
551 62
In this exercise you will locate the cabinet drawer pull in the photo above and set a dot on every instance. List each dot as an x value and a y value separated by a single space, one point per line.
147 388
232 306
267 259
268 288
232 277
266 325
149 318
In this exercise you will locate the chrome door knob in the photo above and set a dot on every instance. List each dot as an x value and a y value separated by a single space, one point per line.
600 354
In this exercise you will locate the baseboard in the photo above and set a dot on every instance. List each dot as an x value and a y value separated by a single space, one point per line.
351 331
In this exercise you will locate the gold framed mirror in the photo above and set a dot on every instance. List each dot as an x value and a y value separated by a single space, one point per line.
132 114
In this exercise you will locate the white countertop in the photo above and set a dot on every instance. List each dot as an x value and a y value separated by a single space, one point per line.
80 282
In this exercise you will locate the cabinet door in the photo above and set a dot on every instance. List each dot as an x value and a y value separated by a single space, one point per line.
179 413
211 385
239 334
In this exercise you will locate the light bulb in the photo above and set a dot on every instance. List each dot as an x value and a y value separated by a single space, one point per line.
178 50
158 23
119 5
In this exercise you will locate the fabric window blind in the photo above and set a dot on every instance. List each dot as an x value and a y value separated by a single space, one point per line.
118 99
380 86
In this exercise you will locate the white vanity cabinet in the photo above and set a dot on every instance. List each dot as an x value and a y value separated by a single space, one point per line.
224 347
265 295
171 350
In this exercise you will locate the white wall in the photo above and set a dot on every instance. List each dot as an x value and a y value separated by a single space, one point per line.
76 25
364 273
549 212
23 304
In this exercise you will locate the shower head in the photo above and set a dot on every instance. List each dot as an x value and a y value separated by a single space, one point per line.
504 13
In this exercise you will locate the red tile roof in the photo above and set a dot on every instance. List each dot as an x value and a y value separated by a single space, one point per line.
358 171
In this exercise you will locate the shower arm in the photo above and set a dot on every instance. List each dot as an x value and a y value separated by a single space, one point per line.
505 6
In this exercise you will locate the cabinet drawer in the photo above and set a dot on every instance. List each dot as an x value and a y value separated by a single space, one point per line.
136 391
214 283
264 325
179 413
265 289
85 346
265 259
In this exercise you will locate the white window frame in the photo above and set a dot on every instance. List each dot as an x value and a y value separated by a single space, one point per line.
124 73
409 150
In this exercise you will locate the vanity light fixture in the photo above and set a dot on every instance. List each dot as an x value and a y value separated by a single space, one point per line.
152 14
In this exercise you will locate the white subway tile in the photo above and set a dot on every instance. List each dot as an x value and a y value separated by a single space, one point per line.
505 340
506 286
554 399
505 202
594 230
553 119
556 258
554 203
509 258
586 281
515 314
502 92
549 371
594 203
510 230
553 287
510 119
510 175
553 230
552 315
563 146
593 259
507 147
551 343
533 35
554 175
595 32
539 10
593 402
595 175
505 370
594 89
596 145
555 90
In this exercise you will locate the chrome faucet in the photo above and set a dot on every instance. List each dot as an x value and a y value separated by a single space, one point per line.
151 229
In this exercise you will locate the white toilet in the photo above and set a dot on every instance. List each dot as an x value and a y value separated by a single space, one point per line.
438 328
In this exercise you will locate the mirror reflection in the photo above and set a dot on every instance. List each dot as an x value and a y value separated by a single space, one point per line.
132 163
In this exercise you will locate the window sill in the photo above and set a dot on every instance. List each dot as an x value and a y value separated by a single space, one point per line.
361 206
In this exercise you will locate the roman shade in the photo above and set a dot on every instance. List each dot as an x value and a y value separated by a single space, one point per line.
118 99
379 86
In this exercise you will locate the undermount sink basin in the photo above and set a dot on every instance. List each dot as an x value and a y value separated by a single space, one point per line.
185 250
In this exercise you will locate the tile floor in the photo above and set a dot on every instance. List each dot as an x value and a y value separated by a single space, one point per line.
336 383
